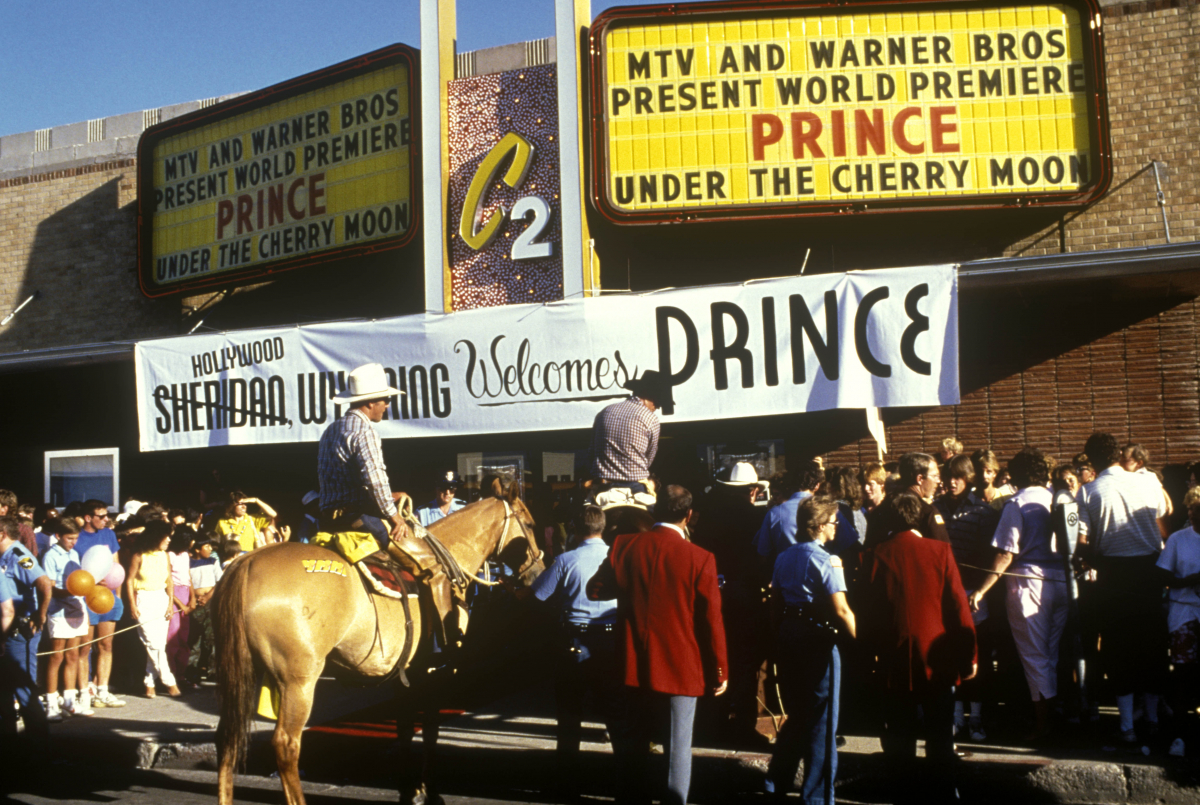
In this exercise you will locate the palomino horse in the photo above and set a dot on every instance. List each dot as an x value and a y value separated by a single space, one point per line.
283 610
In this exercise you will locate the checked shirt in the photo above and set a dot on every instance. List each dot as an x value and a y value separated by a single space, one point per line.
351 469
624 442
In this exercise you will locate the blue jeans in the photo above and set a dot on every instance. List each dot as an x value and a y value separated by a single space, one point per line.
810 680
644 709
18 677
378 529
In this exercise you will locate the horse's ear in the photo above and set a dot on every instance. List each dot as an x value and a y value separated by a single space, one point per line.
512 493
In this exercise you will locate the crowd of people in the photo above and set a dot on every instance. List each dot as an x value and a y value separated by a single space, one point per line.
909 593
899 595
59 643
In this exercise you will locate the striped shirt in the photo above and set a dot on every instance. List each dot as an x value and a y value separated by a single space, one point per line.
1118 513
350 467
624 441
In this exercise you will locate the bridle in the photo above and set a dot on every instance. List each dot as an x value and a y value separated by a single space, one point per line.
533 554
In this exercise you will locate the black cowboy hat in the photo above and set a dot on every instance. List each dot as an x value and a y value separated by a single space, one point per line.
651 386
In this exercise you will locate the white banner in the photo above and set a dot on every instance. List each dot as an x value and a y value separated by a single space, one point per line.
880 338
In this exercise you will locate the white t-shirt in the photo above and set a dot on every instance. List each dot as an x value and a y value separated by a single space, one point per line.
1181 557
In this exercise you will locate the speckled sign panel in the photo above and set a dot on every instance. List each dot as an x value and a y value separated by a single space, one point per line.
504 222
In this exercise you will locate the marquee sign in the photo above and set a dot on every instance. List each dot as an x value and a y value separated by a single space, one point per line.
288 176
719 111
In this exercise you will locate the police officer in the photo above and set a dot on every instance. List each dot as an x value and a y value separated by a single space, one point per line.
444 502
18 665
588 661
808 598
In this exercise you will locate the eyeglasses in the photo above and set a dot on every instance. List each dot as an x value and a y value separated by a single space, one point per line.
100 516
832 522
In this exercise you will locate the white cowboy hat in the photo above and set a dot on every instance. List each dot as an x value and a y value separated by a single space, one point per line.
367 382
740 474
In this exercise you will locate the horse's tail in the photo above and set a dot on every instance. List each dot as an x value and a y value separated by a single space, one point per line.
235 664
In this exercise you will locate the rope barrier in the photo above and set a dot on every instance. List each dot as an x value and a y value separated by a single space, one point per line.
1014 575
170 615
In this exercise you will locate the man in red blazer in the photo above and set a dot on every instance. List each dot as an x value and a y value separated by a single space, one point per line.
671 640
920 625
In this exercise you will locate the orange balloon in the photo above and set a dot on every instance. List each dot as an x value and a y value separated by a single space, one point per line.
80 582
100 600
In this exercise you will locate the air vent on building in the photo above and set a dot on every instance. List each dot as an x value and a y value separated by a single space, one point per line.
41 140
207 102
95 130
149 118
537 52
464 64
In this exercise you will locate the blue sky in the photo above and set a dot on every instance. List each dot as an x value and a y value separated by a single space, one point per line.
65 61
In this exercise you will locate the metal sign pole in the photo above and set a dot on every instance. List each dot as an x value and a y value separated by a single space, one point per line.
571 19
437 69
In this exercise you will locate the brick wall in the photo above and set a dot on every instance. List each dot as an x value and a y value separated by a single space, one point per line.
1137 379
1154 108
72 235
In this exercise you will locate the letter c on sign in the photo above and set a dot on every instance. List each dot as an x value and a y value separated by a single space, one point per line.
475 231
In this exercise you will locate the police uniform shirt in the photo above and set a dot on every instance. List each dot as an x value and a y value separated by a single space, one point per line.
568 575
7 591
432 512
778 530
23 570
806 572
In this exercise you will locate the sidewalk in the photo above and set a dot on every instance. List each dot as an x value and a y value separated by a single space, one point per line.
504 751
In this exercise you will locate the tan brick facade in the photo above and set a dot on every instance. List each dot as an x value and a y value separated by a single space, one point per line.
72 235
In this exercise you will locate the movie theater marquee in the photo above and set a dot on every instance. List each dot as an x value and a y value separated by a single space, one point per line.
802 110
284 177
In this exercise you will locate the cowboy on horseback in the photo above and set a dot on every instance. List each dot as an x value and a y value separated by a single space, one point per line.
625 441
356 495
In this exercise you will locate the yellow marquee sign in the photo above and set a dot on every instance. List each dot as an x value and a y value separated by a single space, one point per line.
716 111
280 178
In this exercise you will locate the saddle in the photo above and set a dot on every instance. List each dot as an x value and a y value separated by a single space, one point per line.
624 496
422 559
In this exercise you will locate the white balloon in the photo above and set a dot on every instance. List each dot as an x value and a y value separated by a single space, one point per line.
97 561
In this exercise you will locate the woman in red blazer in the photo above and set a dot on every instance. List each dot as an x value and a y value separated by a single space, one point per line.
917 617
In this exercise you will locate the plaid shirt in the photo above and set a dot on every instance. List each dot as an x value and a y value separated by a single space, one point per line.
351 469
624 442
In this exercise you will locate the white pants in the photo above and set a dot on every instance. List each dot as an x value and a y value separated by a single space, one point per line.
1037 613
152 628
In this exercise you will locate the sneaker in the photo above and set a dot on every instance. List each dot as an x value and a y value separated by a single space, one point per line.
79 707
1176 749
106 699
1129 737
53 711
978 734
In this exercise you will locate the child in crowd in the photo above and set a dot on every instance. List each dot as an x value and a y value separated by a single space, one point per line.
67 624
230 549
205 572
179 553
1134 458
1180 563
